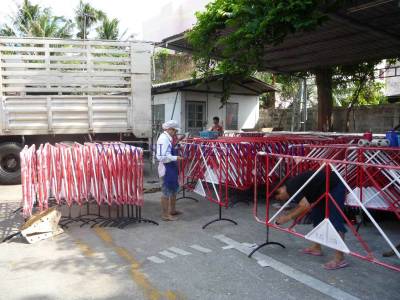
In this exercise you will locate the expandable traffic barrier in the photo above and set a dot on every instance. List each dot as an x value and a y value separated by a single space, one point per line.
233 157
107 174
377 188
356 175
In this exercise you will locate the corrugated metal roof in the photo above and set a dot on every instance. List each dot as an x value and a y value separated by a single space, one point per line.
244 86
364 30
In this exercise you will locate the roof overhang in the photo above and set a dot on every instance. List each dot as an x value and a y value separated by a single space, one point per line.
242 86
364 30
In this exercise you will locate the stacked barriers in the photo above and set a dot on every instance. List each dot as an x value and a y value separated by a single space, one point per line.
108 175
212 167
230 160
367 173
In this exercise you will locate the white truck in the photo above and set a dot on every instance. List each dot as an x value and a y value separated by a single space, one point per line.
55 90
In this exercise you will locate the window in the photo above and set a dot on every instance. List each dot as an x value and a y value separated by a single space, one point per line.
158 114
232 116
195 112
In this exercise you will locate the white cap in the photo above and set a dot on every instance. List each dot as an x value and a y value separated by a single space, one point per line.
170 124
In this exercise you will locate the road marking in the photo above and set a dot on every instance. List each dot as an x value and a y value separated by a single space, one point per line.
228 247
263 263
150 291
201 249
249 245
179 251
168 254
305 279
156 259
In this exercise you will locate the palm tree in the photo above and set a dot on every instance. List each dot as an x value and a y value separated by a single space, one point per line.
48 25
32 20
86 17
108 30
26 14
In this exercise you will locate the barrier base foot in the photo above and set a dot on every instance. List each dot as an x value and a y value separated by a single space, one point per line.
10 236
186 197
263 245
219 219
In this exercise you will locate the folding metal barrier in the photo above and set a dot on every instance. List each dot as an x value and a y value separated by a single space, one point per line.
205 171
107 174
378 189
279 167
236 155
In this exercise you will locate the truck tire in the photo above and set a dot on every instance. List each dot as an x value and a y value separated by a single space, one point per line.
10 163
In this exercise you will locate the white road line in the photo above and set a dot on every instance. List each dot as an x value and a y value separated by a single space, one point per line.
168 254
155 259
179 251
228 247
201 249
305 279
263 263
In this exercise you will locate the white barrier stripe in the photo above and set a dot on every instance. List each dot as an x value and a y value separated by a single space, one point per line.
209 173
295 194
366 211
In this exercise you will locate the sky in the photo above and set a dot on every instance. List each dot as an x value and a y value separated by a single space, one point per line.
147 19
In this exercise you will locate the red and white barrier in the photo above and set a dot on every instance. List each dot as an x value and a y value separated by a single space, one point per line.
281 166
109 173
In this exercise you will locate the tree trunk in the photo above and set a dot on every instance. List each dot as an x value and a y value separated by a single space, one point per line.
323 78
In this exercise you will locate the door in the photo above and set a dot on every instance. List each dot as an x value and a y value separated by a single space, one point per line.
195 116
232 116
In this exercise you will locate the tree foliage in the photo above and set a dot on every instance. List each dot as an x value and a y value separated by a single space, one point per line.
86 16
247 25
32 20
109 29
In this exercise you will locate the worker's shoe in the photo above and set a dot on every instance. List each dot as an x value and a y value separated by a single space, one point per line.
391 252
176 213
169 218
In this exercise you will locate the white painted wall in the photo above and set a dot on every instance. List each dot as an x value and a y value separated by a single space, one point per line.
248 107
168 100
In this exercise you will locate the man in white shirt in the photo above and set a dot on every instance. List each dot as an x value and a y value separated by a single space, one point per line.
168 169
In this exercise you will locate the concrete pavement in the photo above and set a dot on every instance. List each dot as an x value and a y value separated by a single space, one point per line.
110 263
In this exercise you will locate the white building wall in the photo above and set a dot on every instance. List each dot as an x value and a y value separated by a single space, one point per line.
168 100
248 108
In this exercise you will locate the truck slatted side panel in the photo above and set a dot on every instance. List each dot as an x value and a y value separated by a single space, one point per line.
73 86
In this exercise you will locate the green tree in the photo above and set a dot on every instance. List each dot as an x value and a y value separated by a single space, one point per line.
355 85
86 17
32 20
230 37
109 30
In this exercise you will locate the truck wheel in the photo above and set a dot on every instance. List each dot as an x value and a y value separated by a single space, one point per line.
10 163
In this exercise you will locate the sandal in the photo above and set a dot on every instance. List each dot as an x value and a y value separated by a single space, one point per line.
169 218
311 252
334 265
176 213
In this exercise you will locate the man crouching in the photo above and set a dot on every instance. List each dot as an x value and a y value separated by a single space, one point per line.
311 193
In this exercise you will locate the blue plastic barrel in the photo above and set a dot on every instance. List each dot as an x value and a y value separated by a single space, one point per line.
391 135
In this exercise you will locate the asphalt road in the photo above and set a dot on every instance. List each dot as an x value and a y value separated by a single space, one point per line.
179 260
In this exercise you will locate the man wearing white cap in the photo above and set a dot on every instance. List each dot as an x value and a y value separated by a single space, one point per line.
168 169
